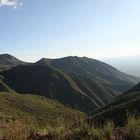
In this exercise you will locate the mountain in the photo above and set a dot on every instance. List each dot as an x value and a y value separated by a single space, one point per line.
134 89
5 88
6 59
69 89
126 104
78 82
97 70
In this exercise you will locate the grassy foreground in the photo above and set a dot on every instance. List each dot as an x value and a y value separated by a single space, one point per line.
17 130
30 117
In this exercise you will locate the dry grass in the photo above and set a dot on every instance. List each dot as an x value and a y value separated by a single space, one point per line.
17 130
81 130
133 127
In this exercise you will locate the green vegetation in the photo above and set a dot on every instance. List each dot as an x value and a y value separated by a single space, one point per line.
35 109
119 109
31 117
133 127
83 131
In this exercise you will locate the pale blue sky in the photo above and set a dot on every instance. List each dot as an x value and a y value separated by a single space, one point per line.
31 29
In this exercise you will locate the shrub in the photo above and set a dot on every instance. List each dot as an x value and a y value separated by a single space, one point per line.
133 127
15 130
108 129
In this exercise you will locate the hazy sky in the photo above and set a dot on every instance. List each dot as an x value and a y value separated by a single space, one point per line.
31 29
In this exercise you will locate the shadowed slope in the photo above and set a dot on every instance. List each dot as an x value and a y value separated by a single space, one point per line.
119 109
78 82
69 89
134 89
99 71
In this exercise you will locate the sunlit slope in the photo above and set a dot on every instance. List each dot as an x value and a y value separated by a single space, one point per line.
34 109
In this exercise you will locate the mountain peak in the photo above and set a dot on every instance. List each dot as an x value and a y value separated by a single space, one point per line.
6 55
7 59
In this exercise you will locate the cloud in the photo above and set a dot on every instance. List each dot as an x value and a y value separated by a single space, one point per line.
11 3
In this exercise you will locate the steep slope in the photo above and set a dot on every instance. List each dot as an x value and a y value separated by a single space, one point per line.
5 88
118 110
6 59
74 81
35 110
101 72
134 89
69 89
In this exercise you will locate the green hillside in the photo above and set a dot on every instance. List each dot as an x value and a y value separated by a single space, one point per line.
118 111
35 109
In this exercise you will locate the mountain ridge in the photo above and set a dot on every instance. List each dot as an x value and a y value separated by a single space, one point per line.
7 59
79 82
88 65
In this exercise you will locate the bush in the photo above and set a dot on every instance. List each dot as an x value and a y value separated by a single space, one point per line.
15 130
108 129
133 127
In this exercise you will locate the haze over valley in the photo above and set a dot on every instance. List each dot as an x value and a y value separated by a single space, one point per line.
127 64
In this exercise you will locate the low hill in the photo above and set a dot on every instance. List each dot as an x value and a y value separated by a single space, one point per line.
128 103
35 109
